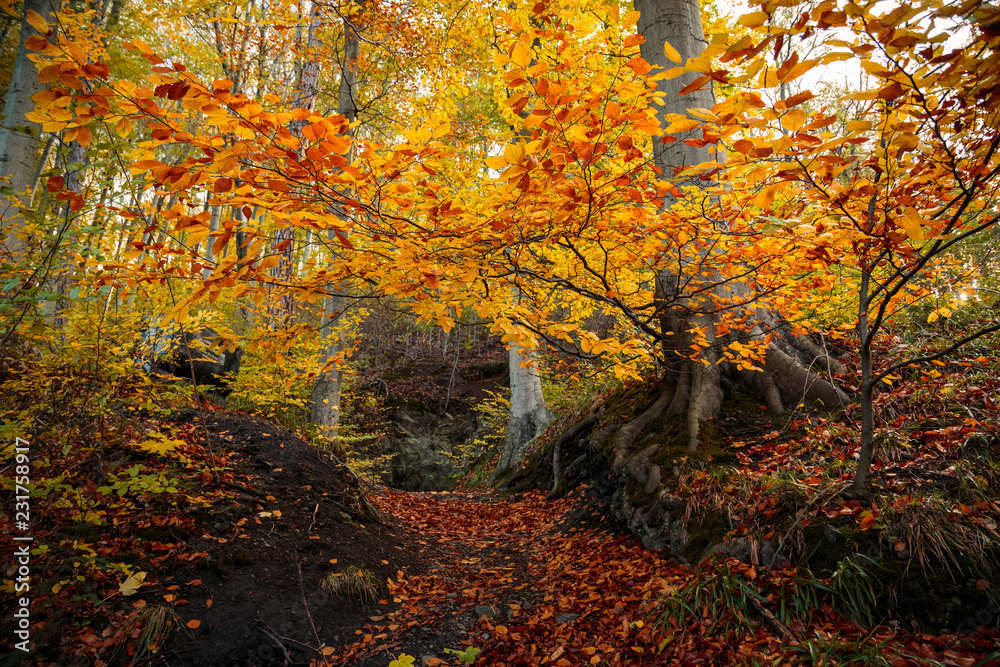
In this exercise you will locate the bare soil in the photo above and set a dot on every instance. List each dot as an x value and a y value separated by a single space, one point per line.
259 601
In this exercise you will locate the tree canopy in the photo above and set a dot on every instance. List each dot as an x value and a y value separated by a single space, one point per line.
499 159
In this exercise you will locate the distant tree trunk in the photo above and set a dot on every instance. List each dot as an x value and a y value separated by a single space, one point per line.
328 385
19 148
692 387
528 413
307 91
213 227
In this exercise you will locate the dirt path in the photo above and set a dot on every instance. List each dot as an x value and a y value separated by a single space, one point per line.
510 579
521 580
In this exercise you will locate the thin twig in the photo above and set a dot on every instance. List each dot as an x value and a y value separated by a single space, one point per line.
287 639
779 628
281 647
314 519
305 604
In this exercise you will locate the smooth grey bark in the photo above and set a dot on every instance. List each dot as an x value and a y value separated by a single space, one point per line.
684 290
327 388
283 241
213 227
19 137
528 413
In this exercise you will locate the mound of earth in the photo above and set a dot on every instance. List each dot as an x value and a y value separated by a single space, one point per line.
256 589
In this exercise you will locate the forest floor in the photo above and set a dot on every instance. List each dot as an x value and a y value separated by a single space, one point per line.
214 538
518 580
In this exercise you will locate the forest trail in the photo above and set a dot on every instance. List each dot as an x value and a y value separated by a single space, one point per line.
519 581
238 558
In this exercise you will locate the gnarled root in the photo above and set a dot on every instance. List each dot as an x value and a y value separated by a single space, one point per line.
695 388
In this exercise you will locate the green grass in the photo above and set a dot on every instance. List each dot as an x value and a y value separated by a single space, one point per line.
356 583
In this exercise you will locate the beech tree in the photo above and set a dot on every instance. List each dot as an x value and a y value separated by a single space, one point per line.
325 411
691 291
611 192
19 136
888 201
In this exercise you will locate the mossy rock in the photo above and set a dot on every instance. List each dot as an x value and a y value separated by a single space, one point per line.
705 531
929 598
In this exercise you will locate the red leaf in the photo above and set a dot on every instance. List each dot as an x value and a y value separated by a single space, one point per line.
343 239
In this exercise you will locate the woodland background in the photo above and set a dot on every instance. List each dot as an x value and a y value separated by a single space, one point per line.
719 278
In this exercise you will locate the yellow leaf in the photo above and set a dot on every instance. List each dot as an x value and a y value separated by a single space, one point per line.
753 19
498 162
793 119
910 222
521 55
682 126
159 444
671 53
534 146
859 125
513 153
37 22
132 583
906 141
671 73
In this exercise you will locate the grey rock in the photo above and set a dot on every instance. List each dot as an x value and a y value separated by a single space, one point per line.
566 617
743 550
422 443
191 355
487 611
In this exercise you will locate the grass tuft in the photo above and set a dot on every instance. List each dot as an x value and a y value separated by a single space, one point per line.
357 583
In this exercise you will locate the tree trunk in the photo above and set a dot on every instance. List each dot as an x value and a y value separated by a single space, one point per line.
19 148
327 388
692 386
307 91
859 489
528 413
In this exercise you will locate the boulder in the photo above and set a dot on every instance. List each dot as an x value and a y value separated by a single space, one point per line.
422 443
192 355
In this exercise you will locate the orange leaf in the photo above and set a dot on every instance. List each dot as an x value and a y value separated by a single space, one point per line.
891 92
193 623
867 520
798 99
36 21
36 43
343 239
84 136
639 66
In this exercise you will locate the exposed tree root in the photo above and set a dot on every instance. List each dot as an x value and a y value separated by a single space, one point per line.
567 438
694 388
